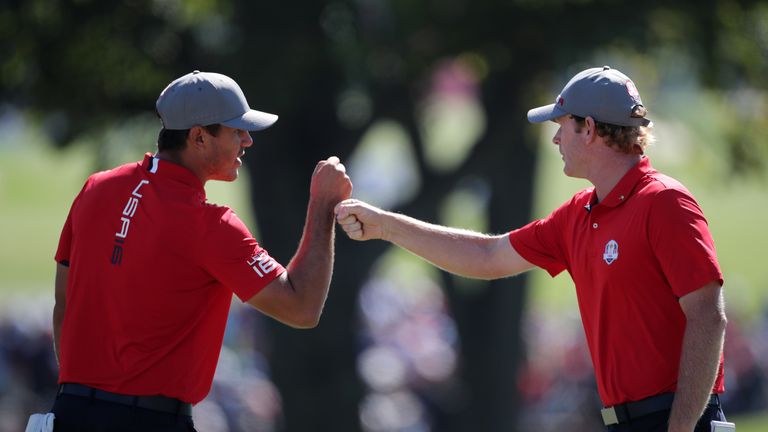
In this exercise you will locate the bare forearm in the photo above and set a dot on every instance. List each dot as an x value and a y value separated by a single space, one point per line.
311 268
60 305
702 346
458 251
58 320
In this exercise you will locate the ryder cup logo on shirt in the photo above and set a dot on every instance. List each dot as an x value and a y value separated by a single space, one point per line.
611 252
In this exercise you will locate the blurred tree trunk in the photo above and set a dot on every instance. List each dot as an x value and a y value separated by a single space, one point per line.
489 314
490 321
316 370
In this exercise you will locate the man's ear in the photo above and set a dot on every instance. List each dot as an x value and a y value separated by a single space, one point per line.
591 127
196 137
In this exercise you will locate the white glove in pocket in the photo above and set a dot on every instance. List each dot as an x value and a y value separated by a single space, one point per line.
720 426
40 423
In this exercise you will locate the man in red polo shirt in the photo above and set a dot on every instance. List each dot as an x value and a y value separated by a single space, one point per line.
147 267
636 245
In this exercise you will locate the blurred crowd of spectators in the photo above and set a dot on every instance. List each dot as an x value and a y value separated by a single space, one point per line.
408 364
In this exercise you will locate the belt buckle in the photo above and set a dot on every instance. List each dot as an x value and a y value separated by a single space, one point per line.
609 416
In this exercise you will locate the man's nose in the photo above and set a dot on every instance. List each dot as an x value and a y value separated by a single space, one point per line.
247 139
556 138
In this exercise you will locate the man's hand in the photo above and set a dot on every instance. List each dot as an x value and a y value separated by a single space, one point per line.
297 297
330 183
361 221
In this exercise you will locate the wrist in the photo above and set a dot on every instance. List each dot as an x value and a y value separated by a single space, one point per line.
679 425
386 226
320 215
322 204
395 227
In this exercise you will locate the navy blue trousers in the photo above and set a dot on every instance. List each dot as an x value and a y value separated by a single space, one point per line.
658 421
83 414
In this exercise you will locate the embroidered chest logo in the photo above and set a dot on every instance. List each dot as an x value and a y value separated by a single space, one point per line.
611 252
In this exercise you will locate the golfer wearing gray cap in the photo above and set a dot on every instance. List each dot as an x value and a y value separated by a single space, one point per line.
636 245
146 267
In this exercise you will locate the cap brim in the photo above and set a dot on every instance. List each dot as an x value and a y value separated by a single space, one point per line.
545 113
252 121
644 122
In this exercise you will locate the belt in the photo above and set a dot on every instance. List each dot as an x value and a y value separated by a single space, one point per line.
155 403
624 412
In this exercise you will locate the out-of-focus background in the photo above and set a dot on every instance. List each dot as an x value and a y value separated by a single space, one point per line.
425 102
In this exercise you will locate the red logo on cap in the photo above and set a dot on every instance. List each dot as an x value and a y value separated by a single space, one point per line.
631 89
560 101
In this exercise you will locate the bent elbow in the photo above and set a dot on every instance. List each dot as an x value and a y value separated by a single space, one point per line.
723 320
305 321
719 319
305 318
715 321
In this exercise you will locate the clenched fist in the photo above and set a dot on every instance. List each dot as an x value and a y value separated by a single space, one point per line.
360 220
330 182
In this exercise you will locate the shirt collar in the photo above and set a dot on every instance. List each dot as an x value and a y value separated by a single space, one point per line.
168 169
624 188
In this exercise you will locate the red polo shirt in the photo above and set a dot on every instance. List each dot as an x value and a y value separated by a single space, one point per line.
632 256
152 269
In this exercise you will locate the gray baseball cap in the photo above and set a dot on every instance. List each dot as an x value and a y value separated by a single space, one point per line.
605 94
205 98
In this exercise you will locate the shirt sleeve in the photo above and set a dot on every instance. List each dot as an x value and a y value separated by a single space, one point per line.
679 235
65 242
232 256
540 243
63 251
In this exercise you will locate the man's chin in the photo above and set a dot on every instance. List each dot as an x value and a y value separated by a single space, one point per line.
228 178
568 173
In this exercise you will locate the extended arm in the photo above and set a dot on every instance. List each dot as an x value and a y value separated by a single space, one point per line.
458 251
700 358
296 298
60 305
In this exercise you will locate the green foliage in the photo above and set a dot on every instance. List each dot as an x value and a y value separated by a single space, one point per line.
81 64
742 43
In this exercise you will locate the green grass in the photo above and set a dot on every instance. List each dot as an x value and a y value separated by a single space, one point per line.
750 422
36 187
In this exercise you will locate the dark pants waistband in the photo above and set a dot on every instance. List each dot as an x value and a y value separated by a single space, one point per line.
624 412
155 403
